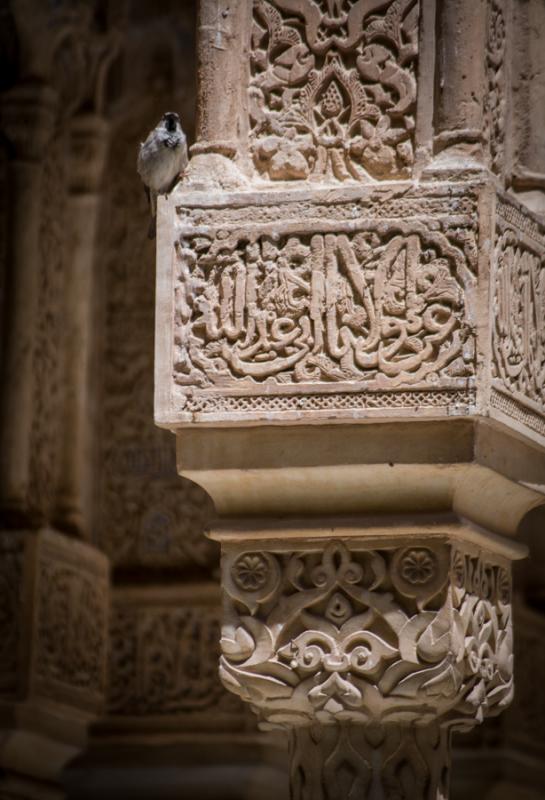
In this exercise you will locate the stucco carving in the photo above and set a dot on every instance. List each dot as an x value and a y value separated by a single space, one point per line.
496 97
54 620
70 639
518 332
293 307
333 88
399 634
164 660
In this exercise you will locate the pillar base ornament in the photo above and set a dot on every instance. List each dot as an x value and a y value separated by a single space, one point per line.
370 652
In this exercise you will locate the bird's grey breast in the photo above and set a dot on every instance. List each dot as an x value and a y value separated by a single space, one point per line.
161 158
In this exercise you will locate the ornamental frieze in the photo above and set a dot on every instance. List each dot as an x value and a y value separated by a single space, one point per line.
518 324
342 302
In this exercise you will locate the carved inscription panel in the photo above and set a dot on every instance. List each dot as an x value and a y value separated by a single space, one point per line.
362 304
333 88
518 319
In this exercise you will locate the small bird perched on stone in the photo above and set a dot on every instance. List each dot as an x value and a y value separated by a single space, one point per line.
161 159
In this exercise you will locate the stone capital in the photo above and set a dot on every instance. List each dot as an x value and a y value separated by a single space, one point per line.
28 118
88 150
413 631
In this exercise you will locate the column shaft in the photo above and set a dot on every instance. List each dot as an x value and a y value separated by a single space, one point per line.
381 762
221 62
88 142
460 73
27 115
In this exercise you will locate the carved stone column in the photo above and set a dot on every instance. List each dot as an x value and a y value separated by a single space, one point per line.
461 76
88 147
54 591
349 349
528 68
28 115
368 652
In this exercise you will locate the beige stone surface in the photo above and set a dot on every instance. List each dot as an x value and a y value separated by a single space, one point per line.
349 348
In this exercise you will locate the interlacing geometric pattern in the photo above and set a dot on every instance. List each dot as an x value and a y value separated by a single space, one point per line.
400 633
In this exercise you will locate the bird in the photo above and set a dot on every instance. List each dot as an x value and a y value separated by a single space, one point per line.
161 159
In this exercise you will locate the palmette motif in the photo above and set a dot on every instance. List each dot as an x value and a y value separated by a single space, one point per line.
400 634
333 89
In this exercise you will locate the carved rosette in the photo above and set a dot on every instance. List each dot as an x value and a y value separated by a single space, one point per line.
399 634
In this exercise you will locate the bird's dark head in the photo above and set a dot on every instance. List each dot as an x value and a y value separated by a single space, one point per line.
171 121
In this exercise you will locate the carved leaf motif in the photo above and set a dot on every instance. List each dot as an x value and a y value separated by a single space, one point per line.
312 113
323 643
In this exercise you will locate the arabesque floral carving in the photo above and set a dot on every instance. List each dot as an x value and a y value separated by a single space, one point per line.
333 88
366 634
518 327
